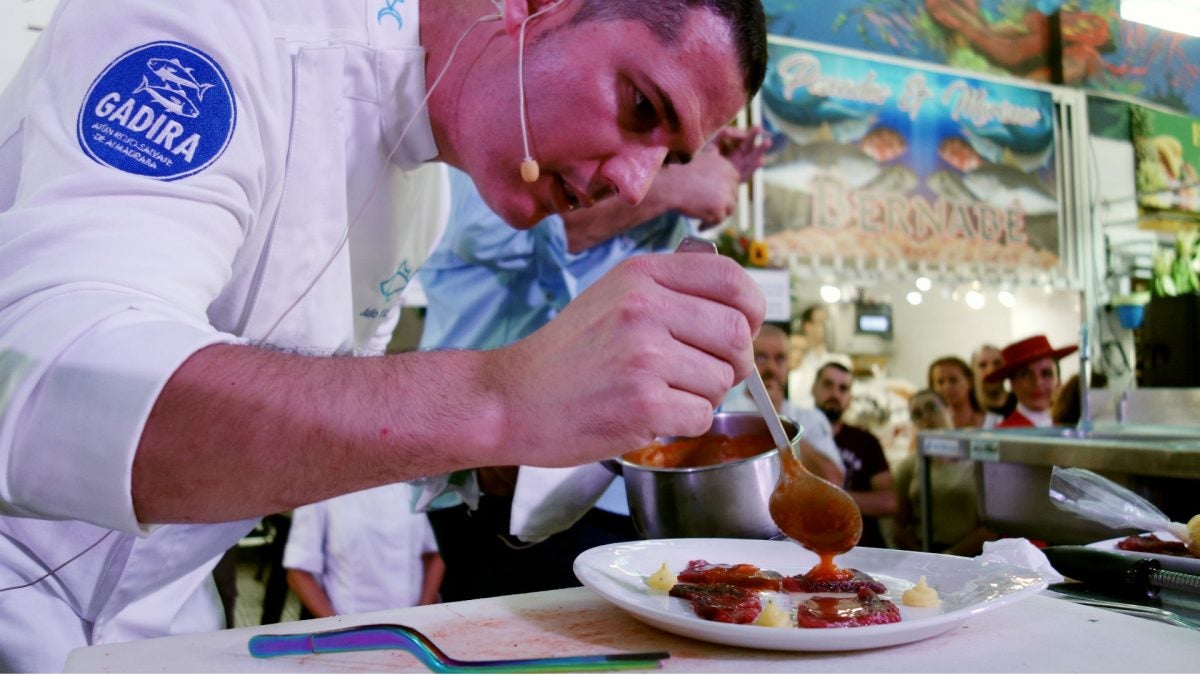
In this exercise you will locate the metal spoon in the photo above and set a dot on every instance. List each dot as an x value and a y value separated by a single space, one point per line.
809 509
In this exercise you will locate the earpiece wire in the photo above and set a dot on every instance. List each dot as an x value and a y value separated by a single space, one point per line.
521 74
379 180
54 571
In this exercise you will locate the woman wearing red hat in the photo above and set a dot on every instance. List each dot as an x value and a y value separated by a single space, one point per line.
1031 366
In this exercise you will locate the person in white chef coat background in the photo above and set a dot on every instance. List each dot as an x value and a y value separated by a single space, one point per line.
362 552
205 207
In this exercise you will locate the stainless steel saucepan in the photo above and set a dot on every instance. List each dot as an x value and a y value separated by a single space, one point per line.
720 500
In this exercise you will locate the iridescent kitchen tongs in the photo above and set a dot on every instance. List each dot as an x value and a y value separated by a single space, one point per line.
395 636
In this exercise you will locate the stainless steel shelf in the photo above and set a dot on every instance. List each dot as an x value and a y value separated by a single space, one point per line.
1013 471
1150 450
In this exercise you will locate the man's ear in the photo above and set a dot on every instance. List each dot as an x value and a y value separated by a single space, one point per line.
515 12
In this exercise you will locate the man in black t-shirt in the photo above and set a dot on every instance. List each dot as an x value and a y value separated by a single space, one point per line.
868 477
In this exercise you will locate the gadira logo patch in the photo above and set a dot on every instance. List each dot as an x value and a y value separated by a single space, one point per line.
163 110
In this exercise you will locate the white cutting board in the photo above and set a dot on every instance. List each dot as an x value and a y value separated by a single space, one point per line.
1040 634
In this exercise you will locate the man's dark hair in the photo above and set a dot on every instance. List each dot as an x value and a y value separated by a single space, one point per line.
809 312
831 365
747 25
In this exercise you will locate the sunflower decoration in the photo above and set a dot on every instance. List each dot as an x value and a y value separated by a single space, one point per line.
759 254
747 252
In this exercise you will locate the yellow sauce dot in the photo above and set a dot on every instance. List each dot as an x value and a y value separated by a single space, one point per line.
921 595
662 580
773 616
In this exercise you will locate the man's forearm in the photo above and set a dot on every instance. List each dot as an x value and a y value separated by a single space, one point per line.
310 592
431 582
596 224
646 351
705 189
875 503
820 465
239 431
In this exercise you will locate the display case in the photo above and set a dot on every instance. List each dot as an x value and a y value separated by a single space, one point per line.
1013 466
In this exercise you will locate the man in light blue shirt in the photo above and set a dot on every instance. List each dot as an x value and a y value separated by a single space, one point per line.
489 285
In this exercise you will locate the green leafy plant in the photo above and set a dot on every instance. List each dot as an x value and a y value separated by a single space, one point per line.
1177 271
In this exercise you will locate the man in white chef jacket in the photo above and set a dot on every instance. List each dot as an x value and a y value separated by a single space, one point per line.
204 205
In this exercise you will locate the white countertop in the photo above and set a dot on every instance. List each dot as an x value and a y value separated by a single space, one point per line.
1041 634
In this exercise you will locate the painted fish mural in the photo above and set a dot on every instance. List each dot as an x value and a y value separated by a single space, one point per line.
1082 43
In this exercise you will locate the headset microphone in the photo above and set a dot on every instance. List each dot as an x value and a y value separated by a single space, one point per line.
529 165
529 170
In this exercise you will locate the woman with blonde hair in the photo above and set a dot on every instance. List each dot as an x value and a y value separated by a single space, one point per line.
956 527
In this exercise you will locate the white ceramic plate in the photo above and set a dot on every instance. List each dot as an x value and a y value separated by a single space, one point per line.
967 587
1169 562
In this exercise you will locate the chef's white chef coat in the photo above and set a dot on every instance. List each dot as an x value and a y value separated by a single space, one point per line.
174 175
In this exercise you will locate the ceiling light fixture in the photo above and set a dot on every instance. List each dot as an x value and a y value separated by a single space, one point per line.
1176 16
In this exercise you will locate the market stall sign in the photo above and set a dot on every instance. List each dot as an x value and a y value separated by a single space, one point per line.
777 289
892 163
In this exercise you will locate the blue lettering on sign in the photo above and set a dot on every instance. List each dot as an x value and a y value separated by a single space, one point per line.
163 110
389 9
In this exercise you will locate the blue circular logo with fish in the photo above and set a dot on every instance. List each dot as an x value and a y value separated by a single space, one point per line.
163 110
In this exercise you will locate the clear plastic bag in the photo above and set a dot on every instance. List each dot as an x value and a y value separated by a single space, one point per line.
1097 498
